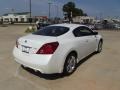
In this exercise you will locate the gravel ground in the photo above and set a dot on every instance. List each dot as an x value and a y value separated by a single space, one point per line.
97 72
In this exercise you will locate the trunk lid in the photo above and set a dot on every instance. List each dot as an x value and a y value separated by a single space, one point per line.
32 43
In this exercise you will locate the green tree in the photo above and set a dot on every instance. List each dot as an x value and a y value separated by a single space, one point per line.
70 8
78 12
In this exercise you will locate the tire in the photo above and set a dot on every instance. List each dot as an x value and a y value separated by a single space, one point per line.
22 66
70 64
100 46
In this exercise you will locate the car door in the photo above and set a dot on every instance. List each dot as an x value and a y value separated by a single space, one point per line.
86 41
90 38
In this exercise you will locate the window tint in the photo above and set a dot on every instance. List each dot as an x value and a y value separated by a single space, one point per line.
52 31
85 31
82 31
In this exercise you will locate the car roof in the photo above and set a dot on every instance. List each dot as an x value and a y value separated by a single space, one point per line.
69 25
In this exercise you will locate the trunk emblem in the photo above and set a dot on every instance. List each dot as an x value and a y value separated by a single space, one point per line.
25 41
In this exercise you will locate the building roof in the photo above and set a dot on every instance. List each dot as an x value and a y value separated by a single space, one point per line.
41 17
19 13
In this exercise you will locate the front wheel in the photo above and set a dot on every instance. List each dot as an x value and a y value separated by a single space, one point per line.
99 47
70 64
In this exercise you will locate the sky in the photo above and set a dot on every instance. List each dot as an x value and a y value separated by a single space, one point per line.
97 8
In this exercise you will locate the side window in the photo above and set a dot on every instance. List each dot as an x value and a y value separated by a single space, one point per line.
76 32
85 31
82 31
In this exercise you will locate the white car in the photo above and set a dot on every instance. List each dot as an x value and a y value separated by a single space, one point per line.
57 48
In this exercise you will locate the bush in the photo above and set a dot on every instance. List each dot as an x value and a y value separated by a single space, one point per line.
30 29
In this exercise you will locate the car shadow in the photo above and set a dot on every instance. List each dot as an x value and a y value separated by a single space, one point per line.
41 75
57 75
85 59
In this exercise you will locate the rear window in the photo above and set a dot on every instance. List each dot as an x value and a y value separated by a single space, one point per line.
52 31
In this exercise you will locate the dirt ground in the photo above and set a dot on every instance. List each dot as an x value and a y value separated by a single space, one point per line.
98 72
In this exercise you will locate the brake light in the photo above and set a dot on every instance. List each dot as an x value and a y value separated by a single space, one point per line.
48 48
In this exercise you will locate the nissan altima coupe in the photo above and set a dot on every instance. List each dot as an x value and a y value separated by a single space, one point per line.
57 48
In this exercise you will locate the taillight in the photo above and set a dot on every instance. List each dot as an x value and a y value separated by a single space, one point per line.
48 48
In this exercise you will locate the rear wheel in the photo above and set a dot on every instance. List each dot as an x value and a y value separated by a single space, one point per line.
70 64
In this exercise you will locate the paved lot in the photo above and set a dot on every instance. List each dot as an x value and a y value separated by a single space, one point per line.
98 72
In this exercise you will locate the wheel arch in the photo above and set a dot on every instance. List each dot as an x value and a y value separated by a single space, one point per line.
70 52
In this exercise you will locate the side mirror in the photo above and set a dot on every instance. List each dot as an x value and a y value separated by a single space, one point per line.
95 33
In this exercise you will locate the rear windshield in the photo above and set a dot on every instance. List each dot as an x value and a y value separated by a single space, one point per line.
52 31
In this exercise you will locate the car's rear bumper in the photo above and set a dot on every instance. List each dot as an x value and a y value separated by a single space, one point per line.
43 63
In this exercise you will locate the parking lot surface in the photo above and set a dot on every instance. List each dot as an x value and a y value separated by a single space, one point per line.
97 72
